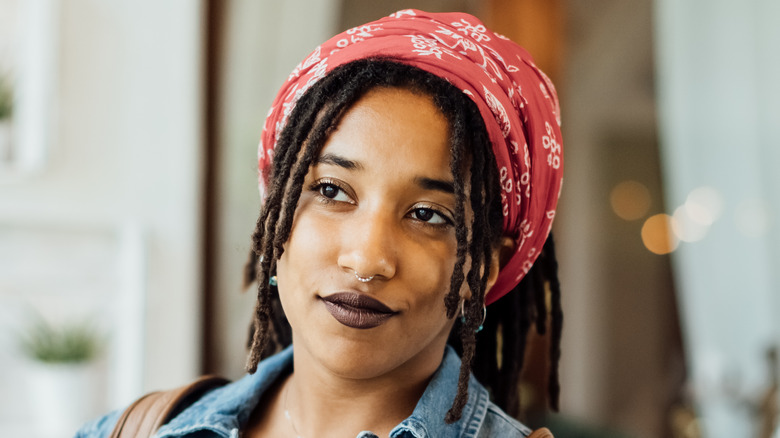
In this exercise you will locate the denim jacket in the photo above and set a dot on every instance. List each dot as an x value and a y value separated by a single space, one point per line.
223 411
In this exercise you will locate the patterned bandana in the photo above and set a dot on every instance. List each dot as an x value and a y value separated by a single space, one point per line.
517 101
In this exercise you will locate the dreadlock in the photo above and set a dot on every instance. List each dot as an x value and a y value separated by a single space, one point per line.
501 345
316 113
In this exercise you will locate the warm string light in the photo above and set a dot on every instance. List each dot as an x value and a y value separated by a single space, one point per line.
691 221
630 200
657 236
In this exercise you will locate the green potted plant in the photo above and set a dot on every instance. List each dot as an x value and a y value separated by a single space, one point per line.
64 382
6 111
71 343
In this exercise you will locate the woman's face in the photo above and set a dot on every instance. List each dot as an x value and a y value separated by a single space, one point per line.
378 202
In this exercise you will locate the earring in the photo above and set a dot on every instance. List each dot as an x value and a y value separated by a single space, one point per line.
272 281
463 316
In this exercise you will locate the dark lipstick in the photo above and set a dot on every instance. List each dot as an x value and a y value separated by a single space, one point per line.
356 310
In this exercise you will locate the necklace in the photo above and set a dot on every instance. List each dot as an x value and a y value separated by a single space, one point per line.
287 412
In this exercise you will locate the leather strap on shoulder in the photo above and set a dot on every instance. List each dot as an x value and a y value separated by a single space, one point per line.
541 433
142 418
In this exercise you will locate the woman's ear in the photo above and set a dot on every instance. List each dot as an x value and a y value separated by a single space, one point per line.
501 255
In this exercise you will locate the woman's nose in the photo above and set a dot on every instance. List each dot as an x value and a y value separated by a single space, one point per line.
369 246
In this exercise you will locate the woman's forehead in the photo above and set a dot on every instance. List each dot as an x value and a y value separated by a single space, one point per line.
393 126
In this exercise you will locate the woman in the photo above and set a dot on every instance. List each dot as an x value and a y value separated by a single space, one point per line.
410 170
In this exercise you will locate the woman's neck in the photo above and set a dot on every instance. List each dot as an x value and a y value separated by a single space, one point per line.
315 401
320 403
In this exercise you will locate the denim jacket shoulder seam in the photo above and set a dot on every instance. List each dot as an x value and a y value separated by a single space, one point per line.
499 415
477 414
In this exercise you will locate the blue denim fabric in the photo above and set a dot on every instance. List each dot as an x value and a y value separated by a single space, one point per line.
222 412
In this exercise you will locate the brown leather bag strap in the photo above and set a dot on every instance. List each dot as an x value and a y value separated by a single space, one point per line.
142 418
541 433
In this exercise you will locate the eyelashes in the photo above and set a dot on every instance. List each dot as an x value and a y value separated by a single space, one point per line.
431 216
330 191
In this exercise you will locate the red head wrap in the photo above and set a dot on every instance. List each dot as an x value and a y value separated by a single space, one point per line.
517 101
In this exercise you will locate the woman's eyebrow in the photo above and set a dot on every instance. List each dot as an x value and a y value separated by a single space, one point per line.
435 184
338 161
424 182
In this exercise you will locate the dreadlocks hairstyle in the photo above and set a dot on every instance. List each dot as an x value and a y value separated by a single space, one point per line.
316 113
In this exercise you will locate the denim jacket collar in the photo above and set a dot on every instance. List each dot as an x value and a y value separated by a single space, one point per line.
225 410
427 420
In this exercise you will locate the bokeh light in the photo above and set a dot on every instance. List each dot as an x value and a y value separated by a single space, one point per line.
657 235
630 200
685 225
704 205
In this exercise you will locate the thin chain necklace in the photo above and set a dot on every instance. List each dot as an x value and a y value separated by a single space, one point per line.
287 412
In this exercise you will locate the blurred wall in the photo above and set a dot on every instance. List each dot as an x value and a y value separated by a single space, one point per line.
622 364
357 12
124 154
718 68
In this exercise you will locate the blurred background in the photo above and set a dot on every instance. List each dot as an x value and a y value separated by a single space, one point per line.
128 134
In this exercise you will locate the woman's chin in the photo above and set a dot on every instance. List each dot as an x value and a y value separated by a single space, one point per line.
360 360
347 358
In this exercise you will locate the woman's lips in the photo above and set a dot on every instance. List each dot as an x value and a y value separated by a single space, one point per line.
356 310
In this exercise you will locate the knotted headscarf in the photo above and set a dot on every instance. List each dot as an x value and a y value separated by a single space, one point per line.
517 101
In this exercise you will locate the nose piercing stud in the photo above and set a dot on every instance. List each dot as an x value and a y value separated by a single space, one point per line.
363 279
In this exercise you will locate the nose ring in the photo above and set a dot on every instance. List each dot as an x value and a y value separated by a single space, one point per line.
363 279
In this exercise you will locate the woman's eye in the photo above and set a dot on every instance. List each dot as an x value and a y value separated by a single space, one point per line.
333 192
329 191
429 216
